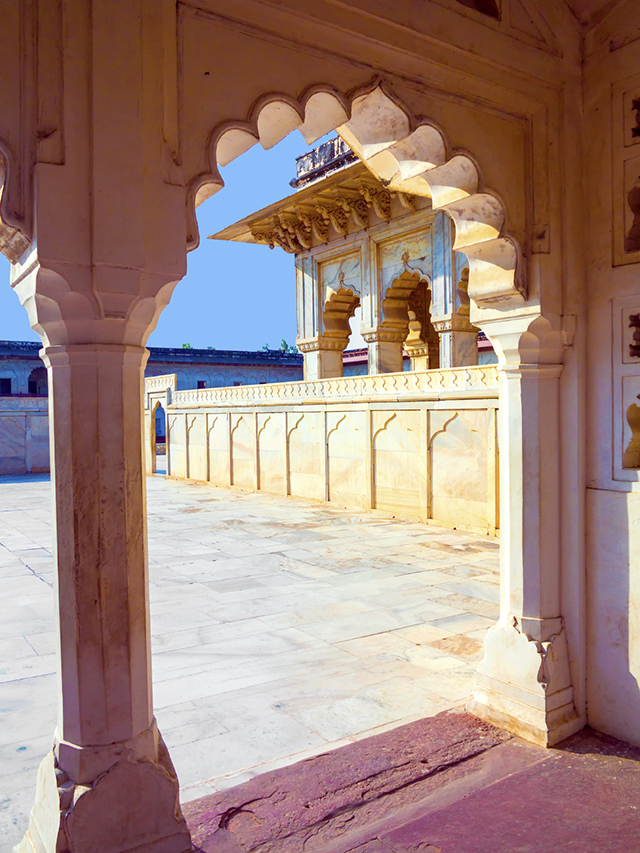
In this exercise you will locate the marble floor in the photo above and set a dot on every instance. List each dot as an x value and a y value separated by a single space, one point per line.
281 628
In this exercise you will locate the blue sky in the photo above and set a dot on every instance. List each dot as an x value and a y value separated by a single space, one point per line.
235 295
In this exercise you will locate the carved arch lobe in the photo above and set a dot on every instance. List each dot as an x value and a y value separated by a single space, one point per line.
407 154
339 308
14 234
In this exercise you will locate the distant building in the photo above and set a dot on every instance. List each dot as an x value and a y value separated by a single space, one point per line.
24 441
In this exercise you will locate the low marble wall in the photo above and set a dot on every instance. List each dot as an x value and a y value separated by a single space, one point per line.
24 435
418 446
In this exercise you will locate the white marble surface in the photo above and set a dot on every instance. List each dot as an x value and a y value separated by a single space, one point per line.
280 628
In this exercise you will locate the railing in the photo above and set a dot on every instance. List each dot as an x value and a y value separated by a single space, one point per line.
437 384
166 382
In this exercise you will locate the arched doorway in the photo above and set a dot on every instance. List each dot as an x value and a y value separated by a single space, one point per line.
159 440
38 385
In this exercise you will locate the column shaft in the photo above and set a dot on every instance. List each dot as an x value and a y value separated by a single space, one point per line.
524 682
109 783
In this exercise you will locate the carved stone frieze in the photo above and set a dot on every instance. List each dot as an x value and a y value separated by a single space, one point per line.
322 343
453 323
415 350
384 336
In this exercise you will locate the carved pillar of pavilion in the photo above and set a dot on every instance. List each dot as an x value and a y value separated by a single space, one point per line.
384 350
450 300
107 248
322 357
458 340
524 681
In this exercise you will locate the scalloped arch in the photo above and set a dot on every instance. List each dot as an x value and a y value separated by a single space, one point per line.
406 154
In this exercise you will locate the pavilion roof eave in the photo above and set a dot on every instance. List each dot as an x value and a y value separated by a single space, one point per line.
240 231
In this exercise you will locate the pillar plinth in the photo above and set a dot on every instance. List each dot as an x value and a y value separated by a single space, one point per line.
108 783
523 682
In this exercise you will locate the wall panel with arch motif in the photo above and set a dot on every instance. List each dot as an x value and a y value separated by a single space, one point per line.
272 452
346 459
397 463
243 451
307 461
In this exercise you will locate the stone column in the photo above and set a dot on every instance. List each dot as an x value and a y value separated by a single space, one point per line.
524 681
385 350
108 247
424 357
458 340
109 777
322 357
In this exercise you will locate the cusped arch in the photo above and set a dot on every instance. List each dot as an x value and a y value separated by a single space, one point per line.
406 153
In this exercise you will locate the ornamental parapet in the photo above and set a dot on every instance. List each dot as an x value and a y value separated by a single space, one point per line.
481 382
166 382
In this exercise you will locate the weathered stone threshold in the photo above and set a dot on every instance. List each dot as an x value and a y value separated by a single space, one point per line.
446 784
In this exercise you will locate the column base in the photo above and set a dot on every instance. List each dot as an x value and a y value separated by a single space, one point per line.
523 683
131 806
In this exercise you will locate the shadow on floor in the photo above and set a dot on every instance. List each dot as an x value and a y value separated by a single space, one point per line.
25 478
447 784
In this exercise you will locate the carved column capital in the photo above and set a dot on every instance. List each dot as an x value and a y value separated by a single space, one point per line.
452 323
381 335
322 343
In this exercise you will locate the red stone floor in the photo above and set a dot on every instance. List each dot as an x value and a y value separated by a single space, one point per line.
446 784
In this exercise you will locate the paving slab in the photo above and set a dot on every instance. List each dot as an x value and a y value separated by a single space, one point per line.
280 628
